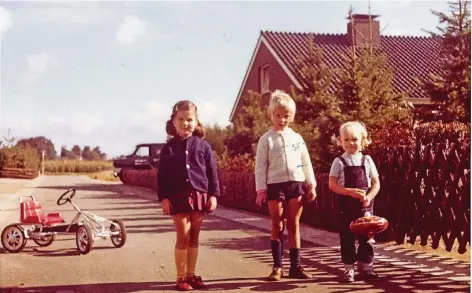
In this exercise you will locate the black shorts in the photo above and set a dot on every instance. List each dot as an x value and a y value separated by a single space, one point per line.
285 190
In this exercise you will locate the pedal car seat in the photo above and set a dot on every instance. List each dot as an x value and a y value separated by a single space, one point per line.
32 213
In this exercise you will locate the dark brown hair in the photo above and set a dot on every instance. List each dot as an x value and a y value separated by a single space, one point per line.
184 106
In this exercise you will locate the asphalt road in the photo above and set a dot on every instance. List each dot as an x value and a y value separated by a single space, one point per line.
234 256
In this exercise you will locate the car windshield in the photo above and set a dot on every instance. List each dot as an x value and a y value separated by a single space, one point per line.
143 151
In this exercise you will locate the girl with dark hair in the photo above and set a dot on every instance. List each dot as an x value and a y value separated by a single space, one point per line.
188 187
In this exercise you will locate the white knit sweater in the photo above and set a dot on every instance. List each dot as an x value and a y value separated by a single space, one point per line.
281 157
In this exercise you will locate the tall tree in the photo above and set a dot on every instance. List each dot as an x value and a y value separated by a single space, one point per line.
40 143
65 153
215 136
101 156
251 122
76 151
87 153
366 88
9 140
318 114
451 89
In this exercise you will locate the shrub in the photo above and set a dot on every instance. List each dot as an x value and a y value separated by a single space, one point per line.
143 178
392 135
438 132
23 157
237 163
406 134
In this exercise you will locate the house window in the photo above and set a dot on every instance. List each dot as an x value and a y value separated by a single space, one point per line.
264 79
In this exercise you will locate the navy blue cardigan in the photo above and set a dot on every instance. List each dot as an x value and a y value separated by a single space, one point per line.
185 162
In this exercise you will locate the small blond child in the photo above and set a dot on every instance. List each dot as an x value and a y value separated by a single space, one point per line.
354 177
283 166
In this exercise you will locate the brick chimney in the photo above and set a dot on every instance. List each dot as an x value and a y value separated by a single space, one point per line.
361 33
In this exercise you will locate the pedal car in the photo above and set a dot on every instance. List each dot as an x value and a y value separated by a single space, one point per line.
45 227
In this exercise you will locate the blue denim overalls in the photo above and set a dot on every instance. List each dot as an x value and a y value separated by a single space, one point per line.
350 209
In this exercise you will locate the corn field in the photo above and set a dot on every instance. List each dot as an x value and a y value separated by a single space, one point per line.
74 166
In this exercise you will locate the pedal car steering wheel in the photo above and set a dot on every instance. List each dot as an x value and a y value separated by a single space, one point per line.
64 198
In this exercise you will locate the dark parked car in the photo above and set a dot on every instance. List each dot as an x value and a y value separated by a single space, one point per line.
145 156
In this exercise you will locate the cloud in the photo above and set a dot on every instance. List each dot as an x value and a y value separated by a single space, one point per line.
17 126
404 3
62 13
152 118
39 63
5 19
403 32
114 137
82 124
209 114
131 30
55 123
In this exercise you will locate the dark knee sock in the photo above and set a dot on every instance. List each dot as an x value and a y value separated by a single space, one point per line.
276 255
281 238
294 257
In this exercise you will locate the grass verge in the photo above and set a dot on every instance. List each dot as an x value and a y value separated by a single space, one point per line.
104 176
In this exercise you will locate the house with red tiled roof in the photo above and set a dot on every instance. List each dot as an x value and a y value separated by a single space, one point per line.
273 63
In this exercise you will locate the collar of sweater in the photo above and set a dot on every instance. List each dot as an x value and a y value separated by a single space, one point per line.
286 131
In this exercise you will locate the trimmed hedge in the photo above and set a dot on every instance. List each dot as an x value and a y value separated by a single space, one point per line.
22 157
143 178
18 173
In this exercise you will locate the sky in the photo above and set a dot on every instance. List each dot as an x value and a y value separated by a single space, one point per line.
108 73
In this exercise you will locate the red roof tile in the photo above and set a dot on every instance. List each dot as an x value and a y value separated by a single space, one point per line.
410 57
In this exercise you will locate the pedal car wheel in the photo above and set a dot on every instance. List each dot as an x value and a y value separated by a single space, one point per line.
84 239
45 240
120 239
13 238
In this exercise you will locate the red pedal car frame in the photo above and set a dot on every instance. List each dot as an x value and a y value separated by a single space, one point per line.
45 227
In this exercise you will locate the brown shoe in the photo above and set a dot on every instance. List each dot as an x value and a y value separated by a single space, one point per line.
196 282
276 274
183 285
299 273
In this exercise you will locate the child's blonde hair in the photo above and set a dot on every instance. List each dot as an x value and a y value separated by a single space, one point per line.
357 127
281 99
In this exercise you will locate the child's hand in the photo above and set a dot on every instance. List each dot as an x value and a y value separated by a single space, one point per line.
166 206
357 193
211 204
366 201
311 194
261 197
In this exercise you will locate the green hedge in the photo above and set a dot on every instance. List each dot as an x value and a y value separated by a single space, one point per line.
23 157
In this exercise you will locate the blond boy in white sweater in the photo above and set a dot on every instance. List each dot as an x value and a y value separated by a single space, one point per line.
283 166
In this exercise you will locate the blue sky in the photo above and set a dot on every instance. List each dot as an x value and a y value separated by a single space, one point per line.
107 73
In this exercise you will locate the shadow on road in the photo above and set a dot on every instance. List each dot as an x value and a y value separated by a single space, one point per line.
415 282
109 190
96 288
325 265
214 285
